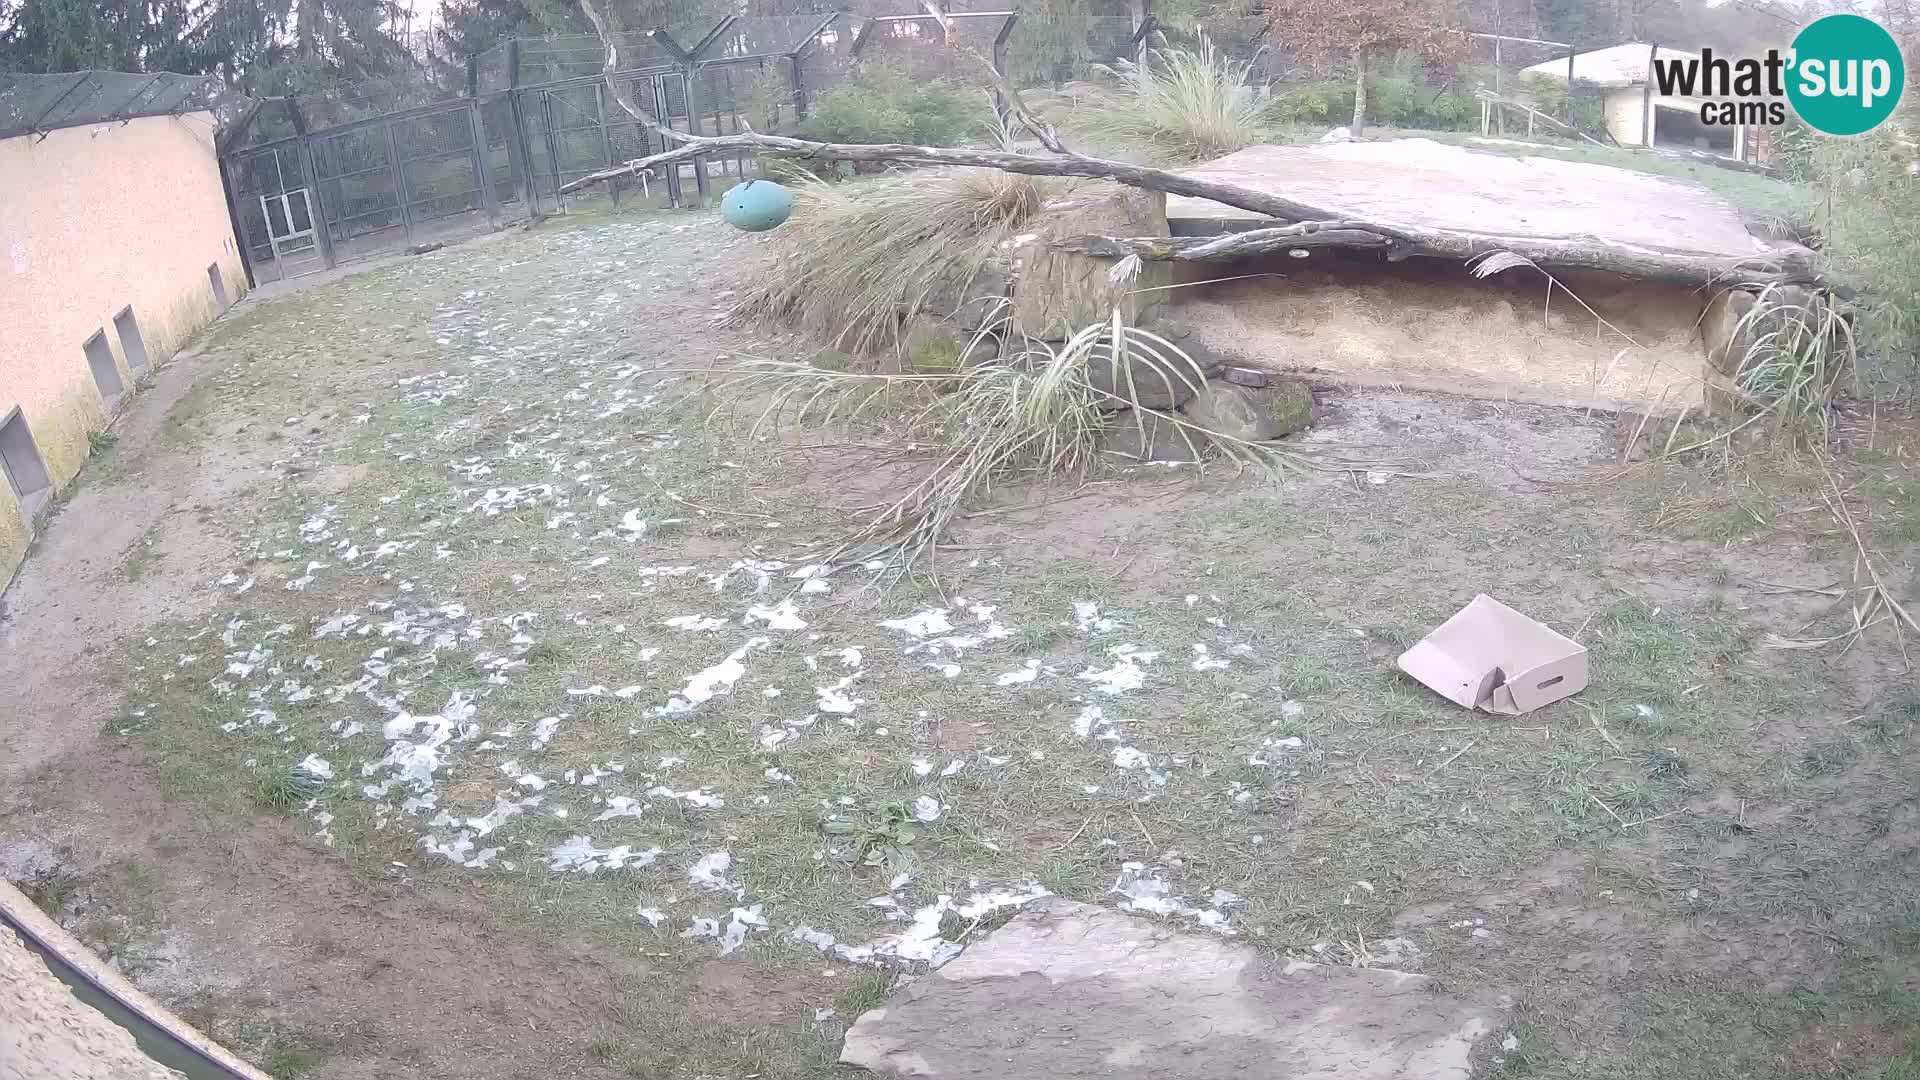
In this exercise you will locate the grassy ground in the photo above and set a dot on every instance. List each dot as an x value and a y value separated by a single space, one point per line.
517 544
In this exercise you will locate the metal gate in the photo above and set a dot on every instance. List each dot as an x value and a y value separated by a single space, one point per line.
371 187
271 187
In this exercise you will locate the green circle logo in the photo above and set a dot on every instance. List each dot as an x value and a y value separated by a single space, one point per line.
1847 75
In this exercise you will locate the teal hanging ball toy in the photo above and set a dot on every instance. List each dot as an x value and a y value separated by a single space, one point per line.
756 205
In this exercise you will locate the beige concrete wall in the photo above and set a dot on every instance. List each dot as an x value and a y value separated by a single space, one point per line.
93 219
1626 116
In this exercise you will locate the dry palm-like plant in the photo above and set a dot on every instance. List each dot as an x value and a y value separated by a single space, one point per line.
1801 349
1190 104
857 257
1038 414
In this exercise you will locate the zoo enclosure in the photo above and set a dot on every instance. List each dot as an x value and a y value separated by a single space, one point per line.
536 114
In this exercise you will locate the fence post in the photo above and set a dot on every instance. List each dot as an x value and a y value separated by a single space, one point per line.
519 148
399 180
665 114
795 62
799 86
690 77
1141 34
553 147
323 228
606 138
1646 99
1570 55
233 219
482 168
688 80
862 36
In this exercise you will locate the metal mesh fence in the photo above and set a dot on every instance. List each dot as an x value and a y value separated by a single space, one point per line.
350 191
567 56
1525 87
916 45
544 118
41 103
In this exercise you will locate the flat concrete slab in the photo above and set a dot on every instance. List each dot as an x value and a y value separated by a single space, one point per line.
1423 183
1067 990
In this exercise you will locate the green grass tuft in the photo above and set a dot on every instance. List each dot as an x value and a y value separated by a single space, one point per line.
864 992
286 788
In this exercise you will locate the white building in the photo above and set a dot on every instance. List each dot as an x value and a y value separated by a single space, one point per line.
1637 114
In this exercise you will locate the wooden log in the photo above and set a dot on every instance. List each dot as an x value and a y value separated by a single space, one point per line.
1791 266
1141 176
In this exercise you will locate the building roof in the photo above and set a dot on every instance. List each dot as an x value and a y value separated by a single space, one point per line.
36 104
1616 65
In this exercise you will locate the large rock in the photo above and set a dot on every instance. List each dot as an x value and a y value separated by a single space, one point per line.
932 346
1138 436
1252 415
1729 329
1140 382
975 302
1721 332
1072 990
1057 292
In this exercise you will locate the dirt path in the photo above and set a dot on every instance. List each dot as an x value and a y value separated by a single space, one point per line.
268 942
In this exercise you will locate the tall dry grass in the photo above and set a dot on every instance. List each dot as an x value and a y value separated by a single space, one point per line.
857 259
1801 353
1182 104
1040 414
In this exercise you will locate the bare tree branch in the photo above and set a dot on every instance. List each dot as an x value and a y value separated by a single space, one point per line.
1308 226
621 95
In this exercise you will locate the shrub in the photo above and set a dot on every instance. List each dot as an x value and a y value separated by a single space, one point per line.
1392 101
1324 102
1872 224
1187 103
1549 95
881 104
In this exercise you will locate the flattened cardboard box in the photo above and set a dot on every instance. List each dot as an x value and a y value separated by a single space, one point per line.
1491 657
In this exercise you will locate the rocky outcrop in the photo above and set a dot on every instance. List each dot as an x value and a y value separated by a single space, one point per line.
1056 292
1071 990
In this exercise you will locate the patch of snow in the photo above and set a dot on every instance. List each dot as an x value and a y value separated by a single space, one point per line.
1026 674
835 699
930 621
781 616
712 680
580 855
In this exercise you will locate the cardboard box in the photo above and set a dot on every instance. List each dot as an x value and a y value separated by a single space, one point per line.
1491 657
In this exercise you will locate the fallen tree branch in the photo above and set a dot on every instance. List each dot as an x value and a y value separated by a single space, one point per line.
1788 267
1070 164
1311 226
